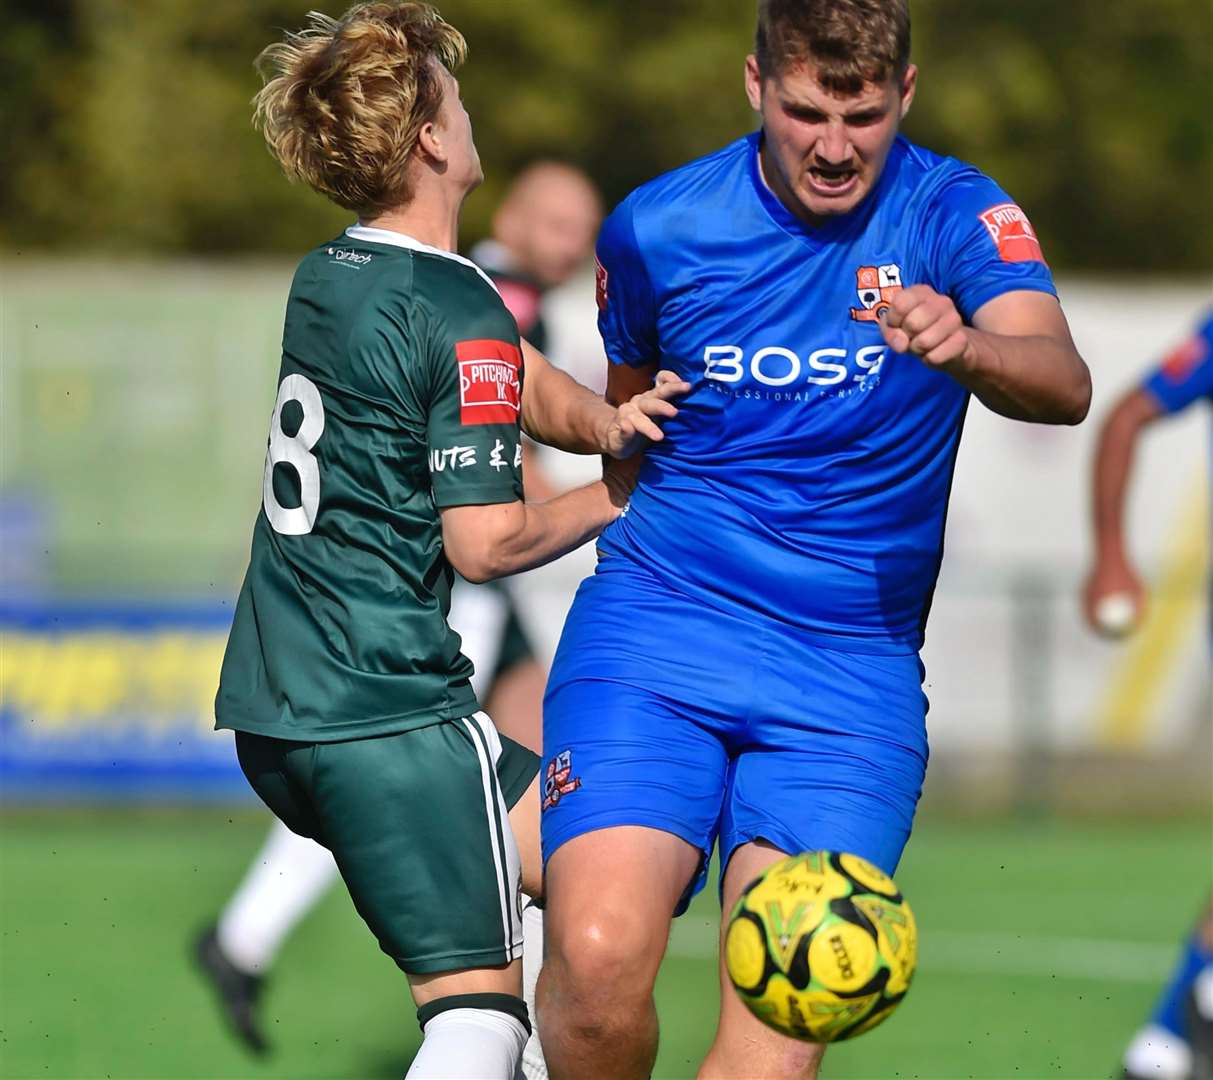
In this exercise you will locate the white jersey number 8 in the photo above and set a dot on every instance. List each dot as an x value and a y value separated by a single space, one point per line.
295 451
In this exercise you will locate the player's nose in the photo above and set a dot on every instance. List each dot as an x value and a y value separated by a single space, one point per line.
834 146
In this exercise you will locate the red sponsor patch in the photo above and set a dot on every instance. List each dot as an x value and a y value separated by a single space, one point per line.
490 382
521 301
1183 361
1012 233
600 284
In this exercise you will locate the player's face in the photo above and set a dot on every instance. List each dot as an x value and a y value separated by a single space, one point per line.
455 129
822 152
559 234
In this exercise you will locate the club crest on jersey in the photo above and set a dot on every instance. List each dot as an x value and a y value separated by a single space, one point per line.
558 779
490 382
876 286
1012 233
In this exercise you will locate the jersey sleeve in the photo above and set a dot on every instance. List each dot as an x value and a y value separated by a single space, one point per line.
627 308
473 432
983 245
1186 375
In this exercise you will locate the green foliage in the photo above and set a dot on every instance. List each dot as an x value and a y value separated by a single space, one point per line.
128 124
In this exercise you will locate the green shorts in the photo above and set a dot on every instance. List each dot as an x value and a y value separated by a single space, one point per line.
417 823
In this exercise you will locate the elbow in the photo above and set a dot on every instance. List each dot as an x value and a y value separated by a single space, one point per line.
476 563
1079 408
484 542
1078 403
477 568
475 573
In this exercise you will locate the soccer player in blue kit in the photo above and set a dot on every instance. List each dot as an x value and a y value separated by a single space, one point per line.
1177 1041
743 667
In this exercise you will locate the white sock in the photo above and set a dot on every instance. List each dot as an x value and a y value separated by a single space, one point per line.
1155 1052
533 1065
288 876
469 1044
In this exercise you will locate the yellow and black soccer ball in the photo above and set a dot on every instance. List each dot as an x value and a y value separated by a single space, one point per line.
822 946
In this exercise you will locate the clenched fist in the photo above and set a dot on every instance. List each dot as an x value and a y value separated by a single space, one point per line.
926 323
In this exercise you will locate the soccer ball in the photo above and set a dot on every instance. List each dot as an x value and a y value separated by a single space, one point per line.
822 946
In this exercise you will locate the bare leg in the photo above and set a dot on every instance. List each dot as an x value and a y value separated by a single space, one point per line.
604 947
524 820
744 1045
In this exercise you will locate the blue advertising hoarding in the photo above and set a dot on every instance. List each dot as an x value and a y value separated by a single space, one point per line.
113 701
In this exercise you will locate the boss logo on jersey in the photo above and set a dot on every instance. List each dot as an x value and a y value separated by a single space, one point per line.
775 366
490 382
876 287
1012 233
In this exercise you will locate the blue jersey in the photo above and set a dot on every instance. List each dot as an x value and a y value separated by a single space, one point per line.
1186 376
806 478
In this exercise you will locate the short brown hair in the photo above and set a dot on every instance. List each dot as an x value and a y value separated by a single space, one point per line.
344 99
850 42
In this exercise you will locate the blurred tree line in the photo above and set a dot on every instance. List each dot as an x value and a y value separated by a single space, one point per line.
126 126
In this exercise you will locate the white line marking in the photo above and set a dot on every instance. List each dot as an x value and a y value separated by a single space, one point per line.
968 953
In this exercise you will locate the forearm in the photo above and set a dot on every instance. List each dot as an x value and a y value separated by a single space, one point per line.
1034 377
1114 456
558 411
1113 461
545 531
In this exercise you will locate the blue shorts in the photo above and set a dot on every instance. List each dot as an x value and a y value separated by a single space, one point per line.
665 713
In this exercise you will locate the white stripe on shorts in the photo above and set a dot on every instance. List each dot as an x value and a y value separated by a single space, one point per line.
506 863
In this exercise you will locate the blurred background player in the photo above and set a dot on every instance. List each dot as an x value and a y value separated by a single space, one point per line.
743 668
543 233
1177 1042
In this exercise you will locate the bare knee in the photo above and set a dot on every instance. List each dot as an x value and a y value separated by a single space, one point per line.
608 958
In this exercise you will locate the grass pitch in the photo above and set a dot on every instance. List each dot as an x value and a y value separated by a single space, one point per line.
1043 944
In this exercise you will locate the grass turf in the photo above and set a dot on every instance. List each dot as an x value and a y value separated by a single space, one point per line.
1043 944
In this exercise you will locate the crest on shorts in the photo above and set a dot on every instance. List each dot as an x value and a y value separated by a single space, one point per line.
876 286
558 779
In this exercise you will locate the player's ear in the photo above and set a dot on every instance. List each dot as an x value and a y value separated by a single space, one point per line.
909 86
429 142
753 83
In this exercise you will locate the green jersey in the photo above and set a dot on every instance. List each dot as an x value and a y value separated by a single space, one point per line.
399 394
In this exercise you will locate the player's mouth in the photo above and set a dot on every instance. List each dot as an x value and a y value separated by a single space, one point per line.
832 183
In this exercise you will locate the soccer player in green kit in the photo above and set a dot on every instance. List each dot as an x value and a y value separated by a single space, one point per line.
395 453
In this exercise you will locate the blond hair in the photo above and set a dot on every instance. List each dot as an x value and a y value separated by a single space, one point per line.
849 42
345 99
